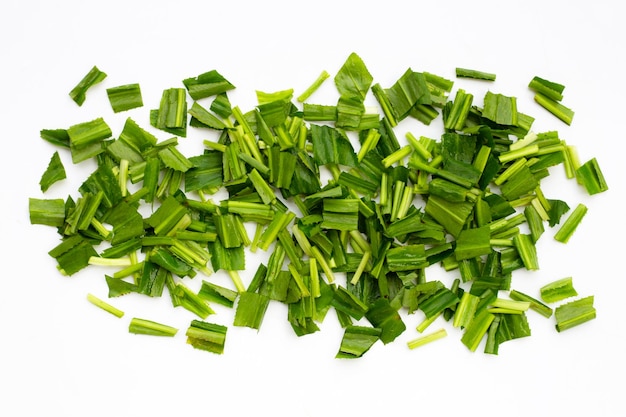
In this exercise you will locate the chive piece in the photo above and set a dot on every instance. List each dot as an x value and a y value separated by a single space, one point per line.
207 84
383 316
472 243
172 110
217 294
527 251
94 76
251 309
567 229
535 304
470 73
477 328
125 97
105 306
574 313
556 108
151 328
423 340
53 173
206 336
549 89
558 290
49 212
500 109
205 118
313 87
356 341
591 177
465 310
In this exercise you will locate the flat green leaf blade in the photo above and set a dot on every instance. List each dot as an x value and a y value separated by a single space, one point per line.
55 172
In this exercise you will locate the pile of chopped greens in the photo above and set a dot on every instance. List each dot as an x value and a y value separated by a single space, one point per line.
470 201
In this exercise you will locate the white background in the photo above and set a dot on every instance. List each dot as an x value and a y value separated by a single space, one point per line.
59 355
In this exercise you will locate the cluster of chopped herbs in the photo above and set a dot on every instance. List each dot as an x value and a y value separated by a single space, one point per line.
470 201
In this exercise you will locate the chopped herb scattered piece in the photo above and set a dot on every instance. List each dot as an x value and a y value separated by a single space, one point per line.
151 328
49 212
559 110
574 313
469 73
357 340
535 304
423 340
55 172
207 336
568 227
104 305
94 76
125 97
591 177
558 290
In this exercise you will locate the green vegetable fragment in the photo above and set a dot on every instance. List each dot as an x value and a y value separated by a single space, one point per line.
591 177
49 212
55 172
559 110
549 89
574 313
356 341
568 228
558 290
421 341
150 328
251 309
207 336
535 304
469 73
125 97
208 84
94 76
105 306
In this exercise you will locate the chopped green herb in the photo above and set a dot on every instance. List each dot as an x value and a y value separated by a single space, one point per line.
558 290
469 73
559 110
574 313
125 97
357 340
49 212
421 341
105 306
591 177
55 172
567 229
151 328
94 76
207 336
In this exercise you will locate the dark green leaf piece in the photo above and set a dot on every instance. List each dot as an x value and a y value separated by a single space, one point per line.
591 177
49 212
125 97
251 309
356 341
55 172
94 76
500 109
208 84
381 315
